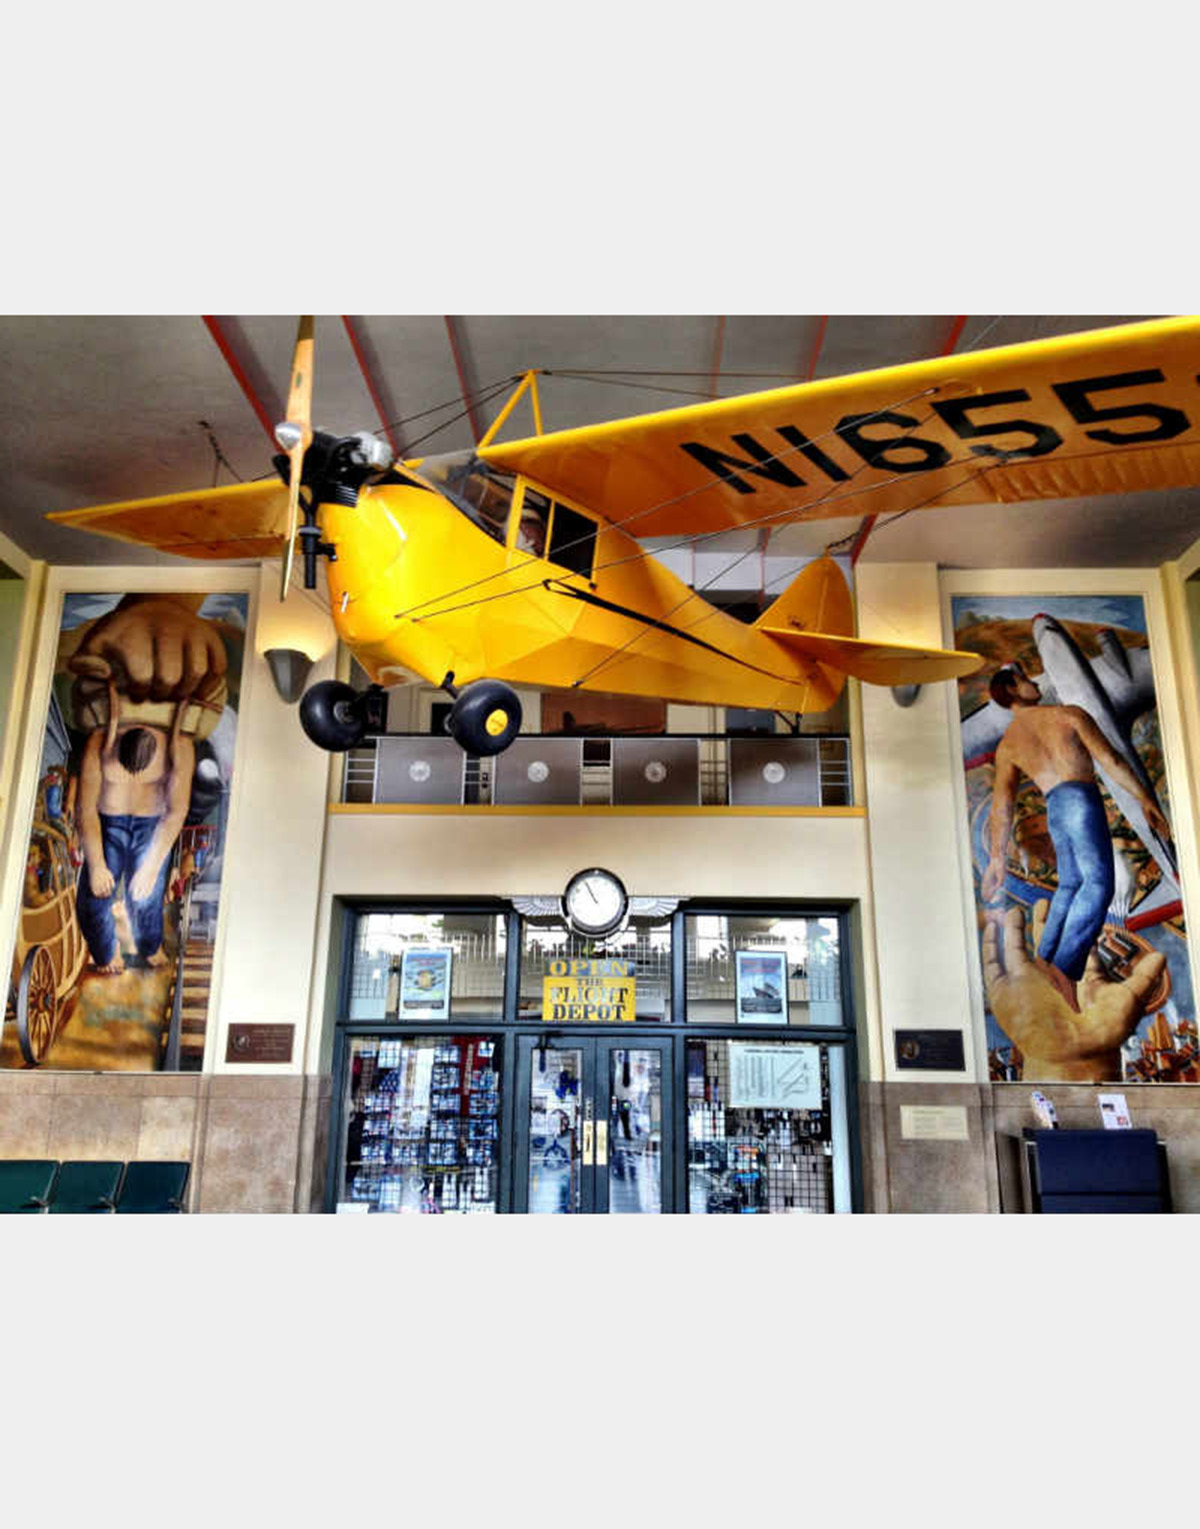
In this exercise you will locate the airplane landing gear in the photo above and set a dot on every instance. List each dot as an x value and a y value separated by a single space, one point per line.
485 717
337 717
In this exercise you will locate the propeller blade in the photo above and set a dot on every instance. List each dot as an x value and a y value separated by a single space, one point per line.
297 437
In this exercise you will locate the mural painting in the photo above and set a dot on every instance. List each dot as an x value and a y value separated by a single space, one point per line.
1082 937
113 957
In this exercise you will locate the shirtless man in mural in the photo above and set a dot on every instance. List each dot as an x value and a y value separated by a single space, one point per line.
134 787
135 780
1058 748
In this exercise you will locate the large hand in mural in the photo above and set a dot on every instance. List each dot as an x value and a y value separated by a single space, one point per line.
154 647
1058 1042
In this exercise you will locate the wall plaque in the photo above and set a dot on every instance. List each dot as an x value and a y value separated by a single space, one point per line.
259 1043
934 1122
932 1050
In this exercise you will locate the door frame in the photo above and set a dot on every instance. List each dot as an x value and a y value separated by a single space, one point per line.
595 1046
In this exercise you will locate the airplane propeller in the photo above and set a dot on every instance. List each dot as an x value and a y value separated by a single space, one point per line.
295 436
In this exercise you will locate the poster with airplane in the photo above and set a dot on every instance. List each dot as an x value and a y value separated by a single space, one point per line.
1082 935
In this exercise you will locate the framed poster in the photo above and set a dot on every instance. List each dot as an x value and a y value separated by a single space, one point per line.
425 982
762 987
785 1076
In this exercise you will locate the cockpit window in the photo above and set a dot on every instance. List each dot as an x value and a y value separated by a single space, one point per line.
479 491
534 523
550 530
572 540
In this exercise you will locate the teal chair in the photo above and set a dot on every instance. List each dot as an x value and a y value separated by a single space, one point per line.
152 1188
87 1188
26 1184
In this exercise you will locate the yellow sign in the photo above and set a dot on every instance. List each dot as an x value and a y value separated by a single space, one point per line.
588 991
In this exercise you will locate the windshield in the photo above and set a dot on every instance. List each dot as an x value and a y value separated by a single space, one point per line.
479 491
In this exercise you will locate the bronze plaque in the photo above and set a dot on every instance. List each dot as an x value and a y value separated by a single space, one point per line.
260 1043
935 1050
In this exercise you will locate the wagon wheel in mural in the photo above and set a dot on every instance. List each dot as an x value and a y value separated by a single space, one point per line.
37 1005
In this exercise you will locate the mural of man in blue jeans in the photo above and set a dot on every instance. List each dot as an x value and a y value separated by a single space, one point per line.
134 786
1058 748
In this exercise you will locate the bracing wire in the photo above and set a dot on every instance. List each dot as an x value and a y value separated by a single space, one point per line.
691 493
687 541
725 571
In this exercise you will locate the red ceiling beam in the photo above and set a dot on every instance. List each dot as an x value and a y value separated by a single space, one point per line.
213 325
464 387
956 329
368 377
957 326
809 369
860 541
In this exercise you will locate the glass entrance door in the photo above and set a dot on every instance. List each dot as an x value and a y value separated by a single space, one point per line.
593 1125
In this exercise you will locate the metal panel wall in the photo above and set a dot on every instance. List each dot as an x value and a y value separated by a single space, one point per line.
428 770
646 771
539 772
774 772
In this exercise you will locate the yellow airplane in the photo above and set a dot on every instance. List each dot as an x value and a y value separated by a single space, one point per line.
518 563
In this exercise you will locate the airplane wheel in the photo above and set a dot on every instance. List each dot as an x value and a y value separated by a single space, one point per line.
327 717
486 717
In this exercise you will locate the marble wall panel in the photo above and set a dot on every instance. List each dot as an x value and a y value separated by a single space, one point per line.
250 1154
90 1124
168 1128
25 1124
937 1176
872 1126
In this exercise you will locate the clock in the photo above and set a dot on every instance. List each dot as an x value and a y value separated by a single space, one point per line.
595 902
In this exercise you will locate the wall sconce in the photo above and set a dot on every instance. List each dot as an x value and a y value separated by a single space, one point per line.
905 695
289 669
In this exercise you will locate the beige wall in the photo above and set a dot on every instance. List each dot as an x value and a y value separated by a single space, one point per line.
272 877
920 929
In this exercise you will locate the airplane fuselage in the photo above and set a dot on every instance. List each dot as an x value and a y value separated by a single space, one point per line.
617 621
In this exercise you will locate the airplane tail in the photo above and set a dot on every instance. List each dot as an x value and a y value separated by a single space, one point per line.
815 616
817 600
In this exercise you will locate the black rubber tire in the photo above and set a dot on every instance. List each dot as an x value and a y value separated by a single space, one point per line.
469 717
326 719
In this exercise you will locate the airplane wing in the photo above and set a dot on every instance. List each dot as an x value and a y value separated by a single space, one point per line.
1079 683
239 520
878 663
1106 411
982 731
1126 677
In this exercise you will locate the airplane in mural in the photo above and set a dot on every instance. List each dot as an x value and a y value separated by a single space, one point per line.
519 563
1115 688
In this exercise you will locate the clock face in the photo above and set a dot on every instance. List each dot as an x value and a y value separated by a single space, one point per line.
595 902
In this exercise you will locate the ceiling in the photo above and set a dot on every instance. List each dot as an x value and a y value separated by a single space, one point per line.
106 408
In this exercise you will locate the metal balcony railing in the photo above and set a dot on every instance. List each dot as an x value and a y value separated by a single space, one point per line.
545 770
